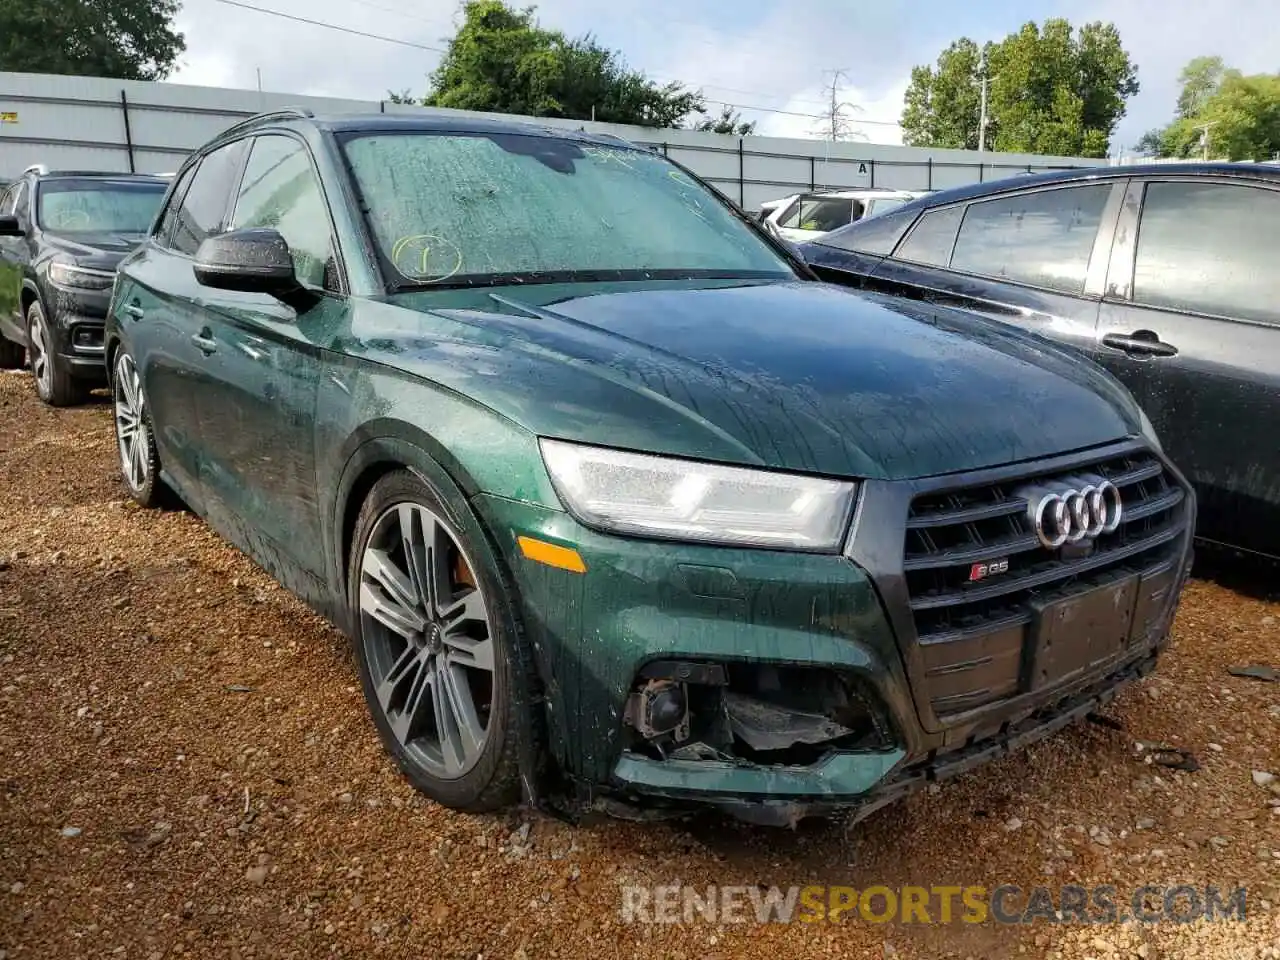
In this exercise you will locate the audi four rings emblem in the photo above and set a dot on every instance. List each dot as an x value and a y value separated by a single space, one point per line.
1072 509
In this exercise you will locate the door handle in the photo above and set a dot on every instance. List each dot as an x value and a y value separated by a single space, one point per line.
204 341
133 311
1145 343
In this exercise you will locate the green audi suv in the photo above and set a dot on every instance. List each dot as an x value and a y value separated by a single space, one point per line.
622 508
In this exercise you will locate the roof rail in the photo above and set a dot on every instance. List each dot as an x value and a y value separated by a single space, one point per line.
284 113
39 169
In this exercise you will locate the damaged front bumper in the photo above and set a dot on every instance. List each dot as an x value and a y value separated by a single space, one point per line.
857 784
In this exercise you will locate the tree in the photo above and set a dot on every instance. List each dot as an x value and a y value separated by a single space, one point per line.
1051 89
942 106
1222 113
729 121
502 61
1200 80
833 123
122 39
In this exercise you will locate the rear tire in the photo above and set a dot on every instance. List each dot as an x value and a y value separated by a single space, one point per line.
135 438
54 383
437 646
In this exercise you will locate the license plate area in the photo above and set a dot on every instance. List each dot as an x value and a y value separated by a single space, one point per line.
1072 635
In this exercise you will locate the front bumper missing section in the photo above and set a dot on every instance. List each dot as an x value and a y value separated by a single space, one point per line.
853 784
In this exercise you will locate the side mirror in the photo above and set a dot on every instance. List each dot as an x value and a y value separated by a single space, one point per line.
255 260
10 227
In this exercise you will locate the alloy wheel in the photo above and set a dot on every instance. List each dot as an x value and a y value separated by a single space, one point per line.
428 639
39 347
131 425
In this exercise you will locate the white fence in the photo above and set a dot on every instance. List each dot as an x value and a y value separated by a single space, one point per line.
88 123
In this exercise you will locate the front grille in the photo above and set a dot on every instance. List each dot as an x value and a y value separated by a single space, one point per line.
973 633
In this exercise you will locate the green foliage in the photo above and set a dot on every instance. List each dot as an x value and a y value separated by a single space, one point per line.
729 121
123 39
502 61
1241 113
1051 89
943 104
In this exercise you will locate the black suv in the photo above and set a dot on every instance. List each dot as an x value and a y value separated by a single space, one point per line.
61 236
1165 274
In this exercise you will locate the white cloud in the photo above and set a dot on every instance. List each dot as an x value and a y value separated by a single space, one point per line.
871 117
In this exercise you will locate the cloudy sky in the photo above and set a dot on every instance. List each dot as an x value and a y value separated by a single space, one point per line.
769 58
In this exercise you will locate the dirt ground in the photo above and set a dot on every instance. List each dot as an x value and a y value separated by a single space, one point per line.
187 768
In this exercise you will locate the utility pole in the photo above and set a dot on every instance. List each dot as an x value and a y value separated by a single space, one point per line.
982 120
1204 137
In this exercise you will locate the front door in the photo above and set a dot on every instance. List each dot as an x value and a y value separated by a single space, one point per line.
257 407
1192 326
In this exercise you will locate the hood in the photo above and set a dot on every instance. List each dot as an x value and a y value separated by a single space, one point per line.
799 376
102 250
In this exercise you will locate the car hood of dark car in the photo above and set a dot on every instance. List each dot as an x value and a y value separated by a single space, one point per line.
102 250
798 375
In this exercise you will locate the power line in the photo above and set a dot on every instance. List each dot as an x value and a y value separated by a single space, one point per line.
423 46
329 26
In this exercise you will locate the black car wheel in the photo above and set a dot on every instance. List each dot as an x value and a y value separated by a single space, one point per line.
436 646
139 461
54 382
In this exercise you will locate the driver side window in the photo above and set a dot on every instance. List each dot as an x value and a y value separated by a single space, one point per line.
280 190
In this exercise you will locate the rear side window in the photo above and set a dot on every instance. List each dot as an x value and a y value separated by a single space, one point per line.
207 199
932 239
164 226
1042 238
822 214
876 236
1209 248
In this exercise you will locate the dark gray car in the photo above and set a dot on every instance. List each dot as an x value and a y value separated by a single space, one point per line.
1165 274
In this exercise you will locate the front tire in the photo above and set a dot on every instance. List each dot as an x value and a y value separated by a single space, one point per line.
436 646
135 438
54 383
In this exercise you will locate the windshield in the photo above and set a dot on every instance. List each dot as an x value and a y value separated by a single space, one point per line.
456 210
99 206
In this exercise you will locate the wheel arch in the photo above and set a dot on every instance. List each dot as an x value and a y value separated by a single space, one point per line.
389 446
383 447
29 294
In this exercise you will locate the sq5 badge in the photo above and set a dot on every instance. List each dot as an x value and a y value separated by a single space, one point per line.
980 571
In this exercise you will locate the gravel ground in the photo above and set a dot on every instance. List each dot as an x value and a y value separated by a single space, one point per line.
187 768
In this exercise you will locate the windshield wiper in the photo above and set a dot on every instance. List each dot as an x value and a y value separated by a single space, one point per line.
481 280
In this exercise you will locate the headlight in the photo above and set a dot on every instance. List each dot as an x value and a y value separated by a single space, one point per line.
687 500
66 275
1148 431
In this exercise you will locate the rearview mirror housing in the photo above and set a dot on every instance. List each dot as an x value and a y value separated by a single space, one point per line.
10 227
254 260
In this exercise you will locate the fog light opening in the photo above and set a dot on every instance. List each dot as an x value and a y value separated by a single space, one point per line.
751 713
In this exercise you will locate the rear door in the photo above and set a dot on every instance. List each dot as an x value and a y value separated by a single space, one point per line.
1191 324
1035 259
161 315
